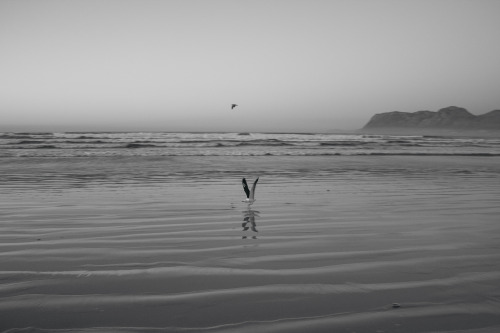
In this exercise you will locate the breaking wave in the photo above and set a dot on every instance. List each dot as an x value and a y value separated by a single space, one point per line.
245 144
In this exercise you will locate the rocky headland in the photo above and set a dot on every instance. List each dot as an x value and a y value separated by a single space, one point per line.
450 118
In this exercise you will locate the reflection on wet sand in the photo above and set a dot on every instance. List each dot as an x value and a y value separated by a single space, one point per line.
249 223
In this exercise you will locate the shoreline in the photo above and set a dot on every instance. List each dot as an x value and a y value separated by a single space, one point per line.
330 243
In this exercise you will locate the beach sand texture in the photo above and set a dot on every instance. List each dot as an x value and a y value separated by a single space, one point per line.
332 244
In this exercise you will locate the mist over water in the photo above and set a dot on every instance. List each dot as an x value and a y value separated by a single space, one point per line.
102 235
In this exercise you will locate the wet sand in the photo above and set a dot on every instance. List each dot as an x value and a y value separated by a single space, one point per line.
320 250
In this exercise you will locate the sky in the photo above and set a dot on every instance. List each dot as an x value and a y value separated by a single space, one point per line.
290 65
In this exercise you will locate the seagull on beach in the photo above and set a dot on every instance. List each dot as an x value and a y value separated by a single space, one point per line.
233 106
250 193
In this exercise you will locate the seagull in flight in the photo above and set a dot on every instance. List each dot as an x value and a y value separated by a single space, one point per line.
250 193
233 106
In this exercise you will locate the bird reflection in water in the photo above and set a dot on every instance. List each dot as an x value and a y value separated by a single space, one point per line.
249 223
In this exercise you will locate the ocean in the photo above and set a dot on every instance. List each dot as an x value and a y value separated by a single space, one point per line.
147 232
238 144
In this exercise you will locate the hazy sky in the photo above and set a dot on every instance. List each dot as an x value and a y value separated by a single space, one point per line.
291 65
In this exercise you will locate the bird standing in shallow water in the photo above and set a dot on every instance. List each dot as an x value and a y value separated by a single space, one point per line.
250 193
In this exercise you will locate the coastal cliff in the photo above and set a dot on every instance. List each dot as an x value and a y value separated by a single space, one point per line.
451 118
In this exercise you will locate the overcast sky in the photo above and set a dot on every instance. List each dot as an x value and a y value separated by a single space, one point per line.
290 65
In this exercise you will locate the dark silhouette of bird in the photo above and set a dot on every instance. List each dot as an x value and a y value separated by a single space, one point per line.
250 193
233 106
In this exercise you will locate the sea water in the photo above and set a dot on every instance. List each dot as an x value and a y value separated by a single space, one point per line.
148 232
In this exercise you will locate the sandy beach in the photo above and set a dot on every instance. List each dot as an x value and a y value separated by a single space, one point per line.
332 244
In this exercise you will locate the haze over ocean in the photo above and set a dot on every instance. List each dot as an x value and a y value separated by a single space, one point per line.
147 232
290 65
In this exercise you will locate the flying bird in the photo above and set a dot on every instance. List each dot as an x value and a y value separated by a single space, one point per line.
250 193
233 106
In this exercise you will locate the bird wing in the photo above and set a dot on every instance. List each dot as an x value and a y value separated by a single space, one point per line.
252 192
245 187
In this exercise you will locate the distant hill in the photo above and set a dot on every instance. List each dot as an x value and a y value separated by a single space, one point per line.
450 118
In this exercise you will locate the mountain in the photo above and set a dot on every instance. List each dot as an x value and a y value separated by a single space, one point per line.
452 117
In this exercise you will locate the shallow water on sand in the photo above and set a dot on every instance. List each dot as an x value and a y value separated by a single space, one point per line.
146 244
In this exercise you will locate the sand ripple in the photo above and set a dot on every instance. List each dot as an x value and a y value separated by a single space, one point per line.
319 251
